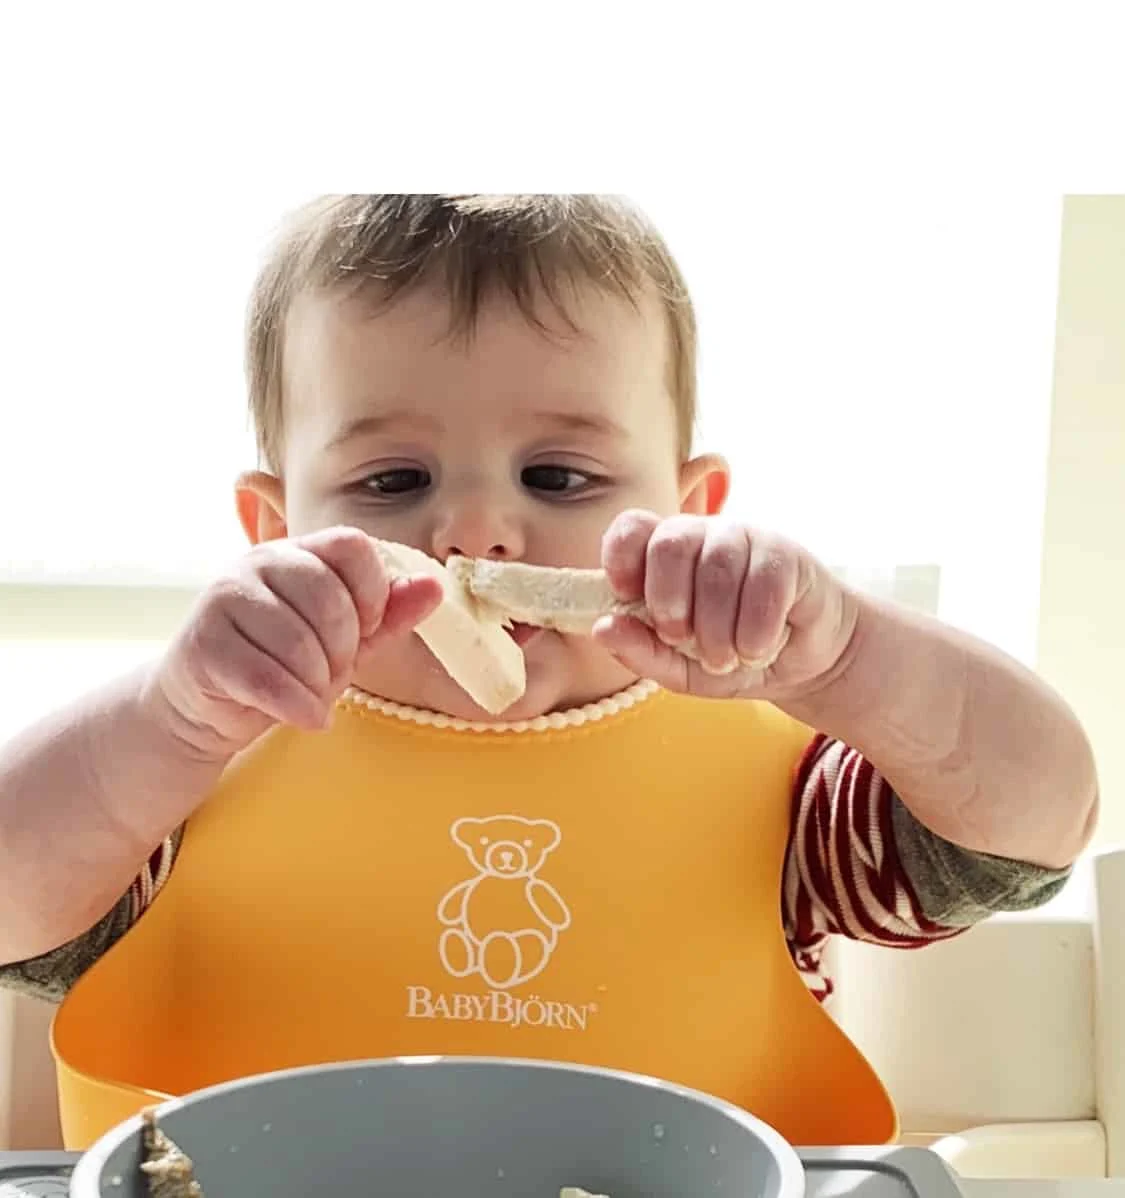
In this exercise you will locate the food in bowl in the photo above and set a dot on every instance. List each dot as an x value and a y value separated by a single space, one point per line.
167 1168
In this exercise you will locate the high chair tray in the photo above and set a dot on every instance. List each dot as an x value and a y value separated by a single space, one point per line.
876 1173
35 1174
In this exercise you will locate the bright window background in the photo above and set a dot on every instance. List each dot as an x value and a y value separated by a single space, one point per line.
876 366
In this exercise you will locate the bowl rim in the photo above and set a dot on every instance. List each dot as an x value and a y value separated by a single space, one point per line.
87 1176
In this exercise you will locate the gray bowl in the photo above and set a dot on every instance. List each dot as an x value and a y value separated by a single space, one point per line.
454 1127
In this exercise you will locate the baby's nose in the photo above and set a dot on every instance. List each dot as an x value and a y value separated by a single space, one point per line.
478 525
494 552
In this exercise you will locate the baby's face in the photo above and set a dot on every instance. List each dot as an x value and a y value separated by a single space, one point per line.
507 444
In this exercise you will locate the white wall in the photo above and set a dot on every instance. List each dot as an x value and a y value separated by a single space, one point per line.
1082 601
999 1025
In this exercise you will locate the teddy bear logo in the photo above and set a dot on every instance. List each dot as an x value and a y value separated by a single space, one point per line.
504 922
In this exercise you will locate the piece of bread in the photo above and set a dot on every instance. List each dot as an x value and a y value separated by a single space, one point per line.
559 597
562 598
565 599
471 643
467 632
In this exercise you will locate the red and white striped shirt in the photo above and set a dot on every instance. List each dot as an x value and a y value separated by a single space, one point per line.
843 874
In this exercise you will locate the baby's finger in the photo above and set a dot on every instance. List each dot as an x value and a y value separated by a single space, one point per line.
768 594
640 650
670 564
270 625
409 602
313 590
719 576
354 558
623 553
258 681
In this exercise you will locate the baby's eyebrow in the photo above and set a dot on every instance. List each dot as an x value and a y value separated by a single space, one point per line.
375 423
582 422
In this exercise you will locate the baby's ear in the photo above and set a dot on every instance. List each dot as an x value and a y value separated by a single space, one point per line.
260 499
704 485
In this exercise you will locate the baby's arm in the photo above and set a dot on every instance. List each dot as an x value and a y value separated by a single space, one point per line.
87 794
978 748
51 975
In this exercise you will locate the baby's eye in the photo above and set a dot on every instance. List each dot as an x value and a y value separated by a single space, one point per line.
558 479
399 481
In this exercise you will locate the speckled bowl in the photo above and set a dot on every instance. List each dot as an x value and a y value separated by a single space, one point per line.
454 1127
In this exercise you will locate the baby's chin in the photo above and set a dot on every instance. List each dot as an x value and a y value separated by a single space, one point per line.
560 675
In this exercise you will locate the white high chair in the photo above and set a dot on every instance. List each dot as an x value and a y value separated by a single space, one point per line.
1004 1049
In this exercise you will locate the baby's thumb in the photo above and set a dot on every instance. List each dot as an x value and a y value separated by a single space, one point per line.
409 601
640 650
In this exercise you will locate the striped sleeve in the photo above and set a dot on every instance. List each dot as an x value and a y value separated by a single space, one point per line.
150 880
842 872
862 866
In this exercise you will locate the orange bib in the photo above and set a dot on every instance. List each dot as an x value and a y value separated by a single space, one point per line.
607 894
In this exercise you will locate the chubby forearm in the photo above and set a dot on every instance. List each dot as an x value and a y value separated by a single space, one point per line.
85 797
979 748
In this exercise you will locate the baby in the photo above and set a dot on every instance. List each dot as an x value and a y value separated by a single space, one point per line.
638 863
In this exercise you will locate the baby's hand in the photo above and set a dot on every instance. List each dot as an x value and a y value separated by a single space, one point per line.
277 640
762 616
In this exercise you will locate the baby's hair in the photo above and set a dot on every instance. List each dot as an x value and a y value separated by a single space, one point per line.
472 247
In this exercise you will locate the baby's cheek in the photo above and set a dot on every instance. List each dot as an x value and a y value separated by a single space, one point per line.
567 536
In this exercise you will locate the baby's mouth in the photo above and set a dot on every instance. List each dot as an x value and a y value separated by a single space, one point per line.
523 634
